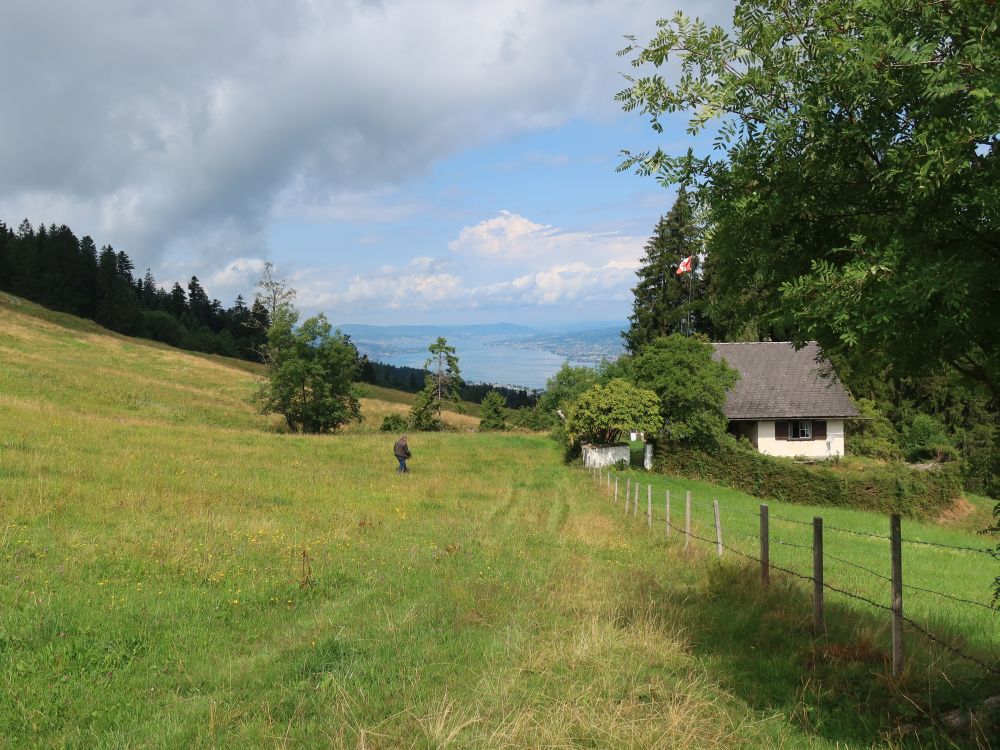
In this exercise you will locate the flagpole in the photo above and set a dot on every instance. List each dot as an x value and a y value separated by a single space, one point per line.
690 285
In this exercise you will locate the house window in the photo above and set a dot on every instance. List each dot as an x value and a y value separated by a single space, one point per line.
801 429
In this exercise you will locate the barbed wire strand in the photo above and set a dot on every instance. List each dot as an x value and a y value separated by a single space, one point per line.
872 534
859 567
919 628
990 607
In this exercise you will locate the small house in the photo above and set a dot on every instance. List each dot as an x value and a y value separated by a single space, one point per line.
787 402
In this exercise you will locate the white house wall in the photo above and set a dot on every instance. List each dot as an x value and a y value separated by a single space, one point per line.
607 455
832 446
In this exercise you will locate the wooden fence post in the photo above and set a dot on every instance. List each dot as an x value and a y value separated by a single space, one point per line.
628 493
616 490
765 547
635 505
896 545
649 506
687 520
718 527
666 532
819 624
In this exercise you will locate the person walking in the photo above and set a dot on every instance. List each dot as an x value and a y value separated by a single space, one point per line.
402 452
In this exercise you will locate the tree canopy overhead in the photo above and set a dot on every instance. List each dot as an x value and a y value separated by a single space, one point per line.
855 197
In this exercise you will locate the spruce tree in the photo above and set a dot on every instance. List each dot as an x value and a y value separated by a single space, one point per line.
493 416
663 299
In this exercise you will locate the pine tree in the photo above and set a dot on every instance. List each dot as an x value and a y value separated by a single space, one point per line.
663 300
444 379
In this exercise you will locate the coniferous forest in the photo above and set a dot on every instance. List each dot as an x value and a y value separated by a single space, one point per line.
50 265
53 267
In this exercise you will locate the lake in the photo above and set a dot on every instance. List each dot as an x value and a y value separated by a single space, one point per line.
485 361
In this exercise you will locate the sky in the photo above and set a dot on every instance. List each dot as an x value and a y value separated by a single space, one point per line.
399 161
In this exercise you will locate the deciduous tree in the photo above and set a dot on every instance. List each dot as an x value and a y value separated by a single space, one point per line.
310 371
855 194
691 387
602 413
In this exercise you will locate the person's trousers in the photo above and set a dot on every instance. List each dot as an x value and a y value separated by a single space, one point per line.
402 464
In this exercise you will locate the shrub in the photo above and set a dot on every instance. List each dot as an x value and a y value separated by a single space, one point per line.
565 386
889 488
162 326
424 413
493 414
394 423
532 418
874 435
604 412
925 439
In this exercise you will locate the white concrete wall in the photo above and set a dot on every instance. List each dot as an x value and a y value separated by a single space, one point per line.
832 446
595 456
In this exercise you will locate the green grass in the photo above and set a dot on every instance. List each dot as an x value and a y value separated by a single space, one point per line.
958 573
176 573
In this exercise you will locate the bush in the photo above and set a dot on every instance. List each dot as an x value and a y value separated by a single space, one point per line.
872 436
162 326
394 423
493 414
925 439
604 412
532 418
424 413
890 488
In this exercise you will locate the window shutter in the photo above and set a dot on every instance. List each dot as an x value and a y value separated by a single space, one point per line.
819 429
781 430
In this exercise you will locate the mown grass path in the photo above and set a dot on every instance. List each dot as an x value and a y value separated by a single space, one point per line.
176 574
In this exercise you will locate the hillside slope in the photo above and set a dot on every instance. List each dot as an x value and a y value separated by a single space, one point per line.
177 574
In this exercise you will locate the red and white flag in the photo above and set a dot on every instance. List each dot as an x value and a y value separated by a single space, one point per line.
685 265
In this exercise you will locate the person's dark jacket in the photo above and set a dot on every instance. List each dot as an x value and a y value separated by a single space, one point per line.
401 449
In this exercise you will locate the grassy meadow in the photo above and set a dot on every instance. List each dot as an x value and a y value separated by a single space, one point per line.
176 572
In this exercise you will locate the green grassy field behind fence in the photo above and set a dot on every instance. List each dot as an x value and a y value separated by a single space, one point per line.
947 572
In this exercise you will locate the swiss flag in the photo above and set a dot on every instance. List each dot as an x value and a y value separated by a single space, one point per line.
685 265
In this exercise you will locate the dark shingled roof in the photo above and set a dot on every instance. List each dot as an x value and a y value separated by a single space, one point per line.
778 382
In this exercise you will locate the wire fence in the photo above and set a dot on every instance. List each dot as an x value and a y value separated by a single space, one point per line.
895 539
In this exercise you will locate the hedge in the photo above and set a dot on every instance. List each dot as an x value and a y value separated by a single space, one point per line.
889 488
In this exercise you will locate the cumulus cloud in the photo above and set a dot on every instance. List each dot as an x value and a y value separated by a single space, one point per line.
545 267
513 239
239 273
185 127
